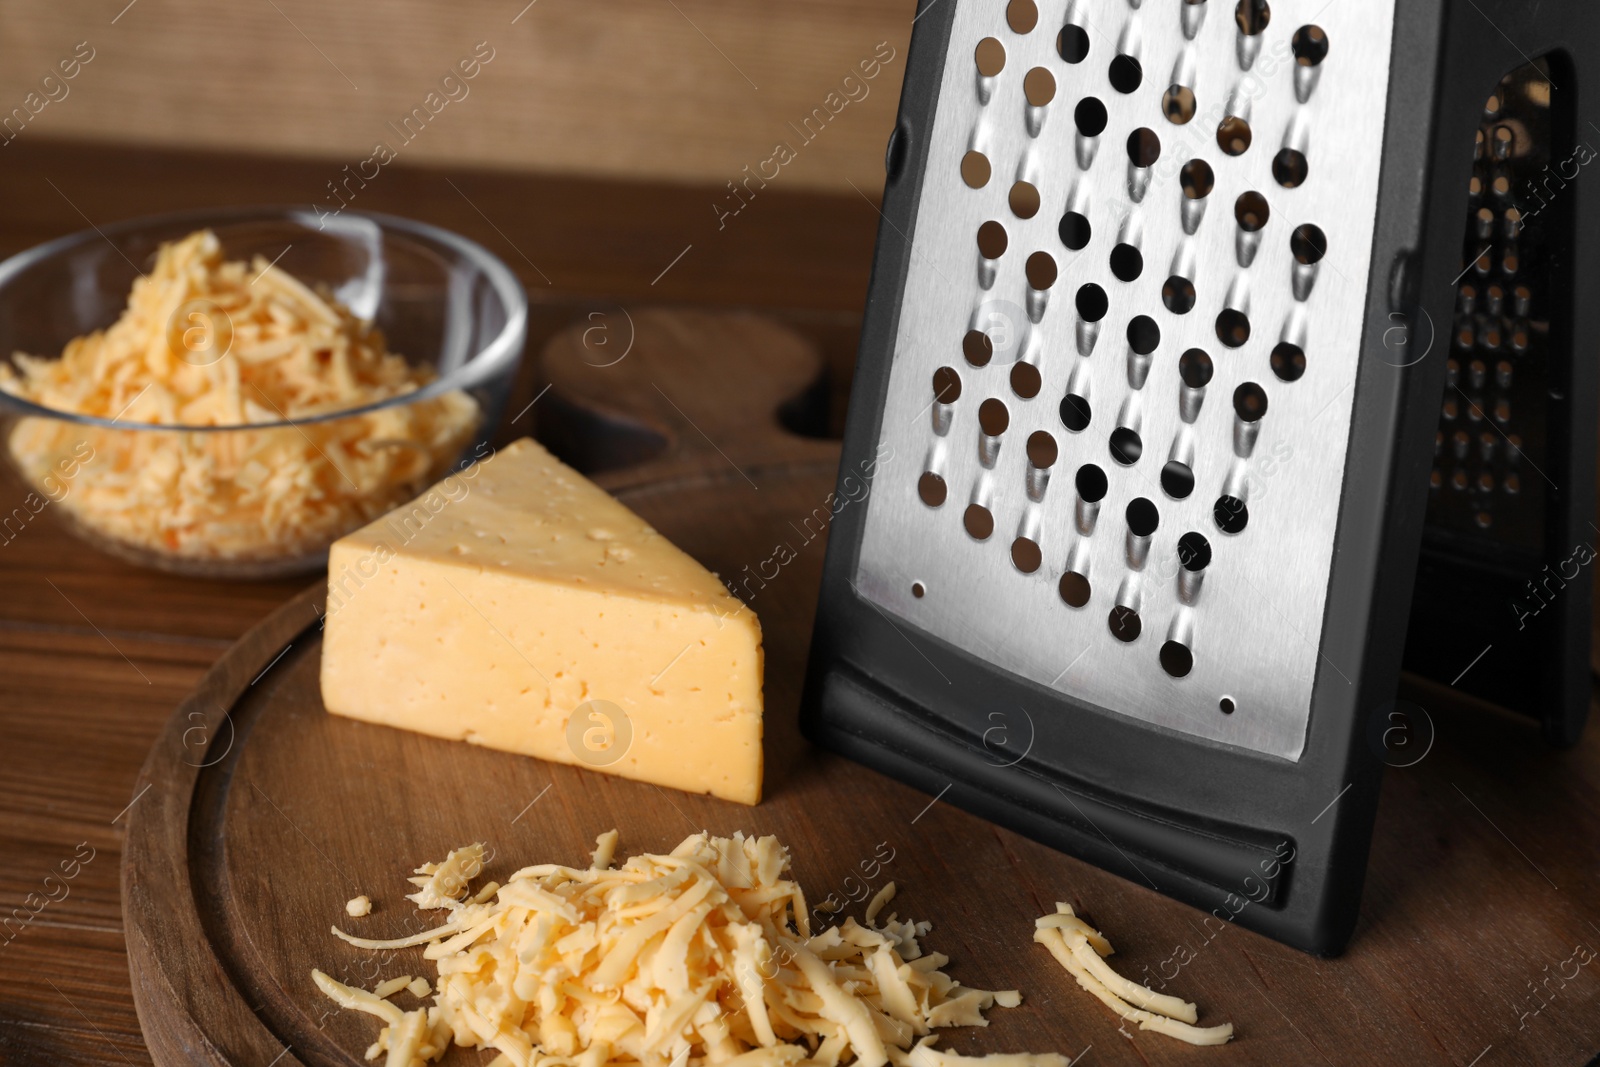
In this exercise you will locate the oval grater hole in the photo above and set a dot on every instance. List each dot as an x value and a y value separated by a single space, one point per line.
1024 200
1308 243
1194 367
1310 45
994 419
1075 231
1252 16
1042 449
1288 362
1025 555
992 240
1124 623
977 347
1074 589
1126 73
1039 86
1072 43
1090 116
1289 168
1177 480
975 169
1233 327
1231 514
1197 179
1176 659
1225 705
990 56
1127 262
1025 380
1178 104
1144 147
1233 135
1126 445
978 521
1022 16
1249 402
1178 295
918 590
1143 516
1092 302
946 385
1194 552
1075 412
1251 211
1041 270
1091 483
1143 334
932 490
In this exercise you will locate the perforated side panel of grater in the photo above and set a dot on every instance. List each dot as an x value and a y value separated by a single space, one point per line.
1121 387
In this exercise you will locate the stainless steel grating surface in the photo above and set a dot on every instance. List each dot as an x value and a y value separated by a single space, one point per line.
1122 381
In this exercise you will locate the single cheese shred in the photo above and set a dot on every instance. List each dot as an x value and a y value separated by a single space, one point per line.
703 956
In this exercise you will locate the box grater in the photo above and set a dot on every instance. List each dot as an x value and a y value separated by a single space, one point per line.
1173 334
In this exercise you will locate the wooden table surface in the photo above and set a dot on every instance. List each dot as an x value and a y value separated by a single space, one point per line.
95 654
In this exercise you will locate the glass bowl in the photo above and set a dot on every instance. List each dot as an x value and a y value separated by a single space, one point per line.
258 499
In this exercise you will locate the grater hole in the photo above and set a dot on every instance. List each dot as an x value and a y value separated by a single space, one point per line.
1194 552
1091 483
1251 211
1178 295
1025 555
1178 104
1127 262
1289 168
932 490
1197 179
1024 200
1126 73
1143 517
1074 231
946 385
1041 270
1126 445
992 241
1073 43
1177 480
1233 135
1042 450
1025 380
1144 147
1310 45
1231 514
1225 705
1308 243
1176 659
918 590
1288 362
1074 589
1249 402
1233 327
1075 412
1252 16
993 418
978 521
1143 334
1194 367
975 169
1124 623
1092 302
1022 16
977 347
1039 86
990 56
1090 116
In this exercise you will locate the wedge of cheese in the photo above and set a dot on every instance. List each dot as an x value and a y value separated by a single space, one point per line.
517 605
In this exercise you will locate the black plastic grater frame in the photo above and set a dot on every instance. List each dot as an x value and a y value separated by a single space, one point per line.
1274 843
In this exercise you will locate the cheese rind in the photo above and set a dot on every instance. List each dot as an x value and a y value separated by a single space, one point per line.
517 593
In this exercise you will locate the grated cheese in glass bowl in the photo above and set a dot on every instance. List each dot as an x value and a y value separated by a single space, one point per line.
226 394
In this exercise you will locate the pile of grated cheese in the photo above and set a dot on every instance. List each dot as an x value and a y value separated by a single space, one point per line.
702 956
208 342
